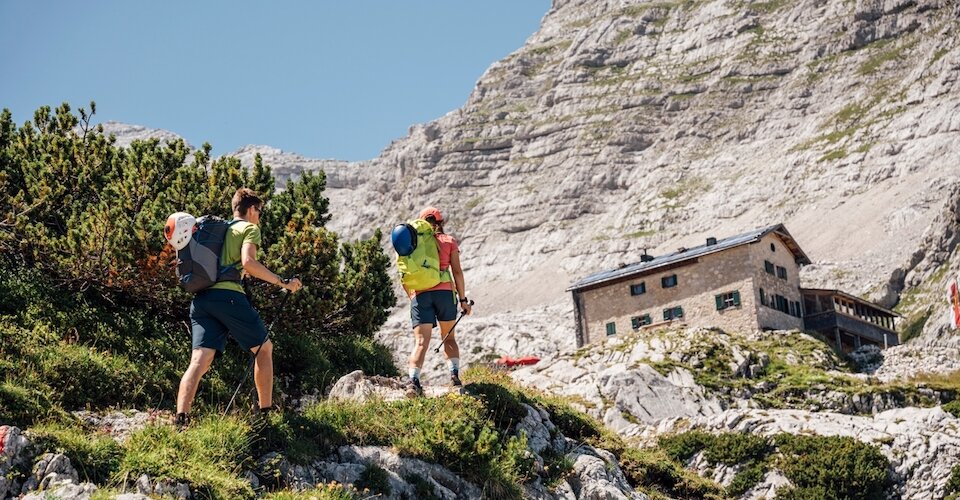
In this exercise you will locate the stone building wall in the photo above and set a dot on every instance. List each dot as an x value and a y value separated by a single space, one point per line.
698 283
769 317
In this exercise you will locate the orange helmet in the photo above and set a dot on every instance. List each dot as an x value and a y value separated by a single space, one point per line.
431 212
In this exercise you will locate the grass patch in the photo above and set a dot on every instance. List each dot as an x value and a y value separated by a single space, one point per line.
686 187
329 491
622 36
473 202
642 9
640 234
768 7
835 154
938 55
914 326
883 56
96 456
453 431
553 47
208 456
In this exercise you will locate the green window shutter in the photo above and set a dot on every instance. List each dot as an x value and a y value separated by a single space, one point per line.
666 314
678 312
647 319
611 328
719 299
635 322
736 298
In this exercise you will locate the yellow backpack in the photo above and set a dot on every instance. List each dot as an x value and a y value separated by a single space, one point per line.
420 268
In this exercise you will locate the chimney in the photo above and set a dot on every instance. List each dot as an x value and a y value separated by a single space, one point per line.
711 241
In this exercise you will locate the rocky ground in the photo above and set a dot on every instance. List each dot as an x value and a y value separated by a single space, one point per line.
655 383
922 444
594 473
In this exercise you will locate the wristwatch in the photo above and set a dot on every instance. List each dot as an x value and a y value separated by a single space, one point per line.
463 299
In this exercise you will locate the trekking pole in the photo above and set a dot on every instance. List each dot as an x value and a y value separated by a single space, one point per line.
253 360
444 339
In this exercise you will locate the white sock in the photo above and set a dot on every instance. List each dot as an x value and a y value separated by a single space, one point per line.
454 365
414 372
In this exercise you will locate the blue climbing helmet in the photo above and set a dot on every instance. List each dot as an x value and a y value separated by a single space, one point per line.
404 238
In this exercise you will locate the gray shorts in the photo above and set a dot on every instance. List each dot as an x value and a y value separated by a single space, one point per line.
430 307
216 312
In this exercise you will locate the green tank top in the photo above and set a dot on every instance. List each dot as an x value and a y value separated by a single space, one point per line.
237 234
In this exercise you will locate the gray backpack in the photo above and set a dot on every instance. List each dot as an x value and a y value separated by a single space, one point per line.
198 263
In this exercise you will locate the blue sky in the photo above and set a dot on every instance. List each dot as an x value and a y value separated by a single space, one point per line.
326 79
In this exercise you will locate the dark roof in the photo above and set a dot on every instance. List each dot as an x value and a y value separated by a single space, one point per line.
828 291
692 253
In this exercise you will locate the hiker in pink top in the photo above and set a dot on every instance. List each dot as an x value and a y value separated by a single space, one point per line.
438 305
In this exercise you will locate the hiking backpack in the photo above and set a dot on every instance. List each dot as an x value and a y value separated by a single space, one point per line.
420 267
198 263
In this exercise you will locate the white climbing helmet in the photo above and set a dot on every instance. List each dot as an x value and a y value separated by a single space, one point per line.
179 228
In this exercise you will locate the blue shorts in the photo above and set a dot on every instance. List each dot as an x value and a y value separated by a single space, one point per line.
215 312
428 307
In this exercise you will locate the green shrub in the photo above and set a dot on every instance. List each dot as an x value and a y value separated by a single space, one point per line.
423 487
748 477
837 467
953 408
683 446
804 493
953 485
653 469
90 314
374 479
732 448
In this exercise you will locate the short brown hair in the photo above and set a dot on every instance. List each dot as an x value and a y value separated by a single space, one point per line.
243 199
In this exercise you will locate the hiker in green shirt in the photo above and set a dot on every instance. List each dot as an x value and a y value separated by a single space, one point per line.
224 308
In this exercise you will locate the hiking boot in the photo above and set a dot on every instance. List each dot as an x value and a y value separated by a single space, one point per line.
414 388
182 421
455 380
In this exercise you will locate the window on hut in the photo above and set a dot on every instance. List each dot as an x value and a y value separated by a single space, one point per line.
729 299
668 281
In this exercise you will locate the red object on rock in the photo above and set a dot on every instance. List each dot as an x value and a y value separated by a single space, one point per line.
524 361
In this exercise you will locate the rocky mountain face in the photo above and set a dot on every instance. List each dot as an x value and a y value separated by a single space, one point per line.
622 125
